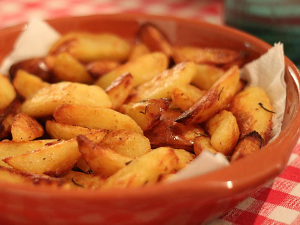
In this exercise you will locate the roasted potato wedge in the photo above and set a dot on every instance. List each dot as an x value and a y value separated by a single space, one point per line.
144 170
216 56
67 68
216 99
82 165
53 160
186 95
25 128
94 117
103 161
87 47
202 142
27 84
46 100
147 112
138 50
119 90
65 131
142 69
184 158
206 76
224 132
126 142
253 111
162 85
11 148
248 144
7 92
98 68
83 180
154 39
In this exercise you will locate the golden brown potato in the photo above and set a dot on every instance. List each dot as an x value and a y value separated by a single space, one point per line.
137 51
46 100
119 90
224 132
126 142
247 145
142 69
98 68
146 113
82 165
83 180
253 111
7 92
154 39
65 131
162 85
186 95
87 47
144 170
67 68
27 84
184 158
25 128
217 56
216 99
94 117
11 148
170 133
54 160
18 177
202 142
206 76
103 161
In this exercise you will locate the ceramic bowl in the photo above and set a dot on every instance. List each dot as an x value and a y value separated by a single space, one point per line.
192 201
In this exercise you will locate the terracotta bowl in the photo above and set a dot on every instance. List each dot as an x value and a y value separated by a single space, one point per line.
192 201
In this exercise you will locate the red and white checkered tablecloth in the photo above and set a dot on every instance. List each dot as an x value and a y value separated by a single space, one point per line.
276 203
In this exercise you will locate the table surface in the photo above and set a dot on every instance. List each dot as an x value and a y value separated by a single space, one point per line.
278 202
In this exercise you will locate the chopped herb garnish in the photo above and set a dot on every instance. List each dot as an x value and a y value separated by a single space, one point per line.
201 134
79 185
220 93
261 105
127 163
145 110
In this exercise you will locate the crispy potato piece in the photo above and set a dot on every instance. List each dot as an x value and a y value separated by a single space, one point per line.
87 47
154 39
206 76
142 69
11 148
65 131
94 117
54 160
217 56
224 132
170 133
83 180
25 128
216 99
7 92
184 158
126 142
98 68
46 100
6 118
40 67
103 161
253 111
144 170
119 90
146 113
185 96
27 84
248 144
203 142
137 51
83 166
162 85
67 68
18 177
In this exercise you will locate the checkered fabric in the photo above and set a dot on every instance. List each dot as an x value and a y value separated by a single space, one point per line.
276 203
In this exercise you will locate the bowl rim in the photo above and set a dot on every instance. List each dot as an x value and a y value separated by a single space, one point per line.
213 182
